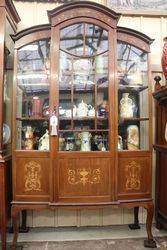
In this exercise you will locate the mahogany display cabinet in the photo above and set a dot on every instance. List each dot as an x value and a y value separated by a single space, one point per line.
160 96
8 19
82 116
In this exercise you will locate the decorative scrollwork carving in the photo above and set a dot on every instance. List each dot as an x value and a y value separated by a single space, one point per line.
32 176
84 176
133 176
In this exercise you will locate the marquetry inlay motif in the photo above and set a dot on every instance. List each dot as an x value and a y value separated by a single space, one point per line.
133 172
79 13
32 176
84 176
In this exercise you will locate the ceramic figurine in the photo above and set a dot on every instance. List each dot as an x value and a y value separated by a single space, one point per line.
85 141
69 144
29 137
82 109
44 141
132 137
103 109
91 111
126 106
120 143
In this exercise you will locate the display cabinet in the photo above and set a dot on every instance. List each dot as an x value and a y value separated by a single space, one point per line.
9 19
82 114
160 96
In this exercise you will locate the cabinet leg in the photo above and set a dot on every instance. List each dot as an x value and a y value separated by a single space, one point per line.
3 237
135 225
150 242
23 228
15 219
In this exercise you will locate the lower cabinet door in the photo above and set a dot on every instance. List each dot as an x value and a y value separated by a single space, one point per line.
85 179
134 178
31 179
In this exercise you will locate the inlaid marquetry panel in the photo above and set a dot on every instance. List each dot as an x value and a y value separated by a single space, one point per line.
32 177
134 177
85 177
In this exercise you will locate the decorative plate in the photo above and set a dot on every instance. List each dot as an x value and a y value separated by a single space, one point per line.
6 133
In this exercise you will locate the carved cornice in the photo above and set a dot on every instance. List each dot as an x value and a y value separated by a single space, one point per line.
30 30
73 9
135 33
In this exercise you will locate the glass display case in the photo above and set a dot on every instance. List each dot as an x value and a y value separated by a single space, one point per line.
82 116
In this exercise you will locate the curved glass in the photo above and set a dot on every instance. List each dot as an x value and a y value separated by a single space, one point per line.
83 88
32 112
133 98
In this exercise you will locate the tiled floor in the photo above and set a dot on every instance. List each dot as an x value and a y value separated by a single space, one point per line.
85 233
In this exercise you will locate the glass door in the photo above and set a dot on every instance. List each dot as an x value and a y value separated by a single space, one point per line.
133 98
83 88
32 100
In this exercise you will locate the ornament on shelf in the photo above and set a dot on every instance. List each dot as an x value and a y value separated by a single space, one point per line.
132 137
44 141
36 106
127 106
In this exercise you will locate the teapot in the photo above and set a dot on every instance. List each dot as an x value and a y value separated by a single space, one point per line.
82 109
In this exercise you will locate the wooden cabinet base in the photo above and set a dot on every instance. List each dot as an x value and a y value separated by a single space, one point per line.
148 205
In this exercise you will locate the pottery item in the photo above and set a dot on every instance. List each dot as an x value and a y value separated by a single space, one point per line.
103 109
36 106
126 106
120 143
85 141
29 137
82 109
69 144
91 111
44 141
6 133
132 137
45 107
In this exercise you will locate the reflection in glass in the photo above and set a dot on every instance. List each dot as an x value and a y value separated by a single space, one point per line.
83 88
132 65
33 96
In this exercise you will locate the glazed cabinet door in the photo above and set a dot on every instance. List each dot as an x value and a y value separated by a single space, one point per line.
31 168
84 101
134 122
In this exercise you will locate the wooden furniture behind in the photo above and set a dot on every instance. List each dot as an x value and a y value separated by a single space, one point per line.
160 96
80 68
8 19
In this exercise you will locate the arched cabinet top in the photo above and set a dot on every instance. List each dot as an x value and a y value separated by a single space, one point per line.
83 9
134 38
31 34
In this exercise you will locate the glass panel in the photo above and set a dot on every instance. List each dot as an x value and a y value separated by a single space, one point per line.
72 39
8 79
83 90
132 65
133 135
132 97
83 141
96 39
33 96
